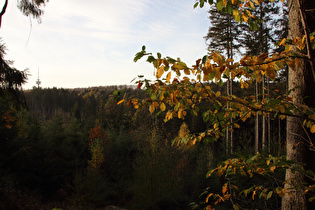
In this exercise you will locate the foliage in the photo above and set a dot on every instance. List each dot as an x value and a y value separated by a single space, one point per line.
263 175
185 93
179 90
32 8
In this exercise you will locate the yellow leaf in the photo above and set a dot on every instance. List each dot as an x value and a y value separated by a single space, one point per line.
244 17
258 77
119 102
236 12
187 71
257 2
160 72
218 94
162 107
218 58
313 128
234 2
168 77
282 42
253 196
151 108
217 75
224 3
180 113
208 67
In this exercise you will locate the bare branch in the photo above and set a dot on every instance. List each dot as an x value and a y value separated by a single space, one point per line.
3 10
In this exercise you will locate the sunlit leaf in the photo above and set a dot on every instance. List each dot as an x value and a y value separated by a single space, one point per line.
119 102
151 108
160 72
162 107
168 77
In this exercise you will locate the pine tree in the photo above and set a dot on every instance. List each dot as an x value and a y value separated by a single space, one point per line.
261 41
224 36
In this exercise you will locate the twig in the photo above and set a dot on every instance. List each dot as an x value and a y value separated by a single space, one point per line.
308 42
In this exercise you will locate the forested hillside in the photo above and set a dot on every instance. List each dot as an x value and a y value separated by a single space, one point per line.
78 149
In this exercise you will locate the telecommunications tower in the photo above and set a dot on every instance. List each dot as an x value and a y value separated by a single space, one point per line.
38 82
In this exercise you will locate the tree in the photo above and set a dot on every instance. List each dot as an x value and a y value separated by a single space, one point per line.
301 83
184 94
224 36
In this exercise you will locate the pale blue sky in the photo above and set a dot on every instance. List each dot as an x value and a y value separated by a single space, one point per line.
92 43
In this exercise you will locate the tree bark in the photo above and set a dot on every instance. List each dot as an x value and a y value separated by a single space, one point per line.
300 82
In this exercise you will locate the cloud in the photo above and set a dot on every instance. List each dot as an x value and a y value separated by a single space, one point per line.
85 43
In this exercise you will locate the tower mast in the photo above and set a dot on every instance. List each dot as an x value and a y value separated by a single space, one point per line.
38 82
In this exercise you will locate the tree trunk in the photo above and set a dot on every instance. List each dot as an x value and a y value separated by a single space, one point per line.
257 125
263 136
301 80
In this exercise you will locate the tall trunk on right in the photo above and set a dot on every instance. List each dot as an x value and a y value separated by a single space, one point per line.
302 81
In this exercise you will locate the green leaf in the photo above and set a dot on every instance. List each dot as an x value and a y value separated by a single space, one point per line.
170 60
221 83
153 97
159 55
143 48
311 199
150 59
166 68
269 195
138 56
220 5
202 3
235 207
230 9
204 59
196 4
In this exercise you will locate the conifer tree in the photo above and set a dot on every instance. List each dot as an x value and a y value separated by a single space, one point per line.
224 36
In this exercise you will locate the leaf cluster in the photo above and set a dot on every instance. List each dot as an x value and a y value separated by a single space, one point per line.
261 167
183 89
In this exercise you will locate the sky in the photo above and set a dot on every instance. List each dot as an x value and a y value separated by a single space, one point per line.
91 43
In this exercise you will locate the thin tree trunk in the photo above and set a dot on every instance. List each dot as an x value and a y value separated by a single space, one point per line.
227 143
257 125
263 137
232 141
269 121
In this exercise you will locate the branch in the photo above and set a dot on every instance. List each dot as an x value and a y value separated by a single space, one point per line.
3 10
308 42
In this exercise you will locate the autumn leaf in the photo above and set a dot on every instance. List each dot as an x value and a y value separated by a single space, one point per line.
139 85
282 42
224 3
218 94
119 102
162 107
151 108
160 71
313 128
257 2
168 77
234 2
